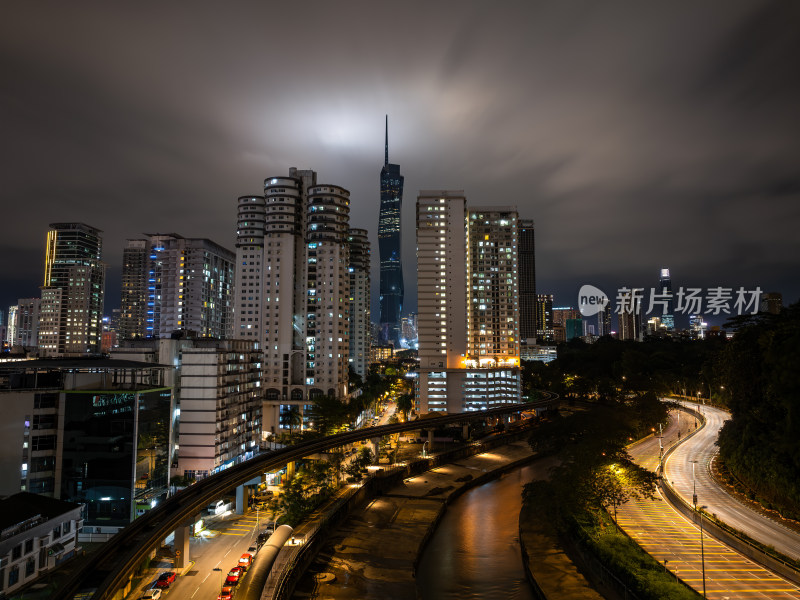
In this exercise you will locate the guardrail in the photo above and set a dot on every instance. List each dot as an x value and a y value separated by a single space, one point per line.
128 548
717 528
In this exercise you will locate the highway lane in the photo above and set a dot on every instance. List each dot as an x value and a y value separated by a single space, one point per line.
667 536
702 448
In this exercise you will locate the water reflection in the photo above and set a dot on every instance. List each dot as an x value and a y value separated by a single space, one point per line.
475 551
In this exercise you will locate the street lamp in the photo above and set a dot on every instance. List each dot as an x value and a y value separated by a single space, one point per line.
699 510
694 486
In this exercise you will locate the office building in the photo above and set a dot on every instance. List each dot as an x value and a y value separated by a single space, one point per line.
409 331
468 292
665 288
389 247
39 533
293 290
133 317
11 325
71 306
698 328
97 432
359 270
527 283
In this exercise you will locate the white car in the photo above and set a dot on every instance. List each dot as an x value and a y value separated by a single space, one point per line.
153 594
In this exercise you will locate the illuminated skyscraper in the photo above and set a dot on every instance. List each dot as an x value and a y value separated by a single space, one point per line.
665 285
359 300
70 320
189 287
527 282
468 304
133 319
293 290
391 268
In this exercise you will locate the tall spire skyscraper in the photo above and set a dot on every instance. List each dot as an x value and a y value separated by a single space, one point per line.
391 274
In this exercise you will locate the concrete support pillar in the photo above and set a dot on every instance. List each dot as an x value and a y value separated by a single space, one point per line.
290 469
181 544
376 448
465 431
430 441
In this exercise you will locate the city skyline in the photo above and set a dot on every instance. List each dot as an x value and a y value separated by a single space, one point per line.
609 123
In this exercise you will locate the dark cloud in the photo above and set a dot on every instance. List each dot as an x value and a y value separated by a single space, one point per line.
638 135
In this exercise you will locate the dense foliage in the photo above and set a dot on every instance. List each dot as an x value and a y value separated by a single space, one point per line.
611 368
595 474
761 444
595 470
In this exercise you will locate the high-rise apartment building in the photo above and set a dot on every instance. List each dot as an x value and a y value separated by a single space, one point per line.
189 287
217 387
468 321
665 288
630 319
293 289
133 317
359 300
604 321
71 307
527 282
389 246
544 318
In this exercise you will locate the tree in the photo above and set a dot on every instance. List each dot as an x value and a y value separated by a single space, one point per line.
405 402
327 414
291 418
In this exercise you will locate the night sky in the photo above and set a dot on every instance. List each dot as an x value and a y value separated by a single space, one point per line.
637 135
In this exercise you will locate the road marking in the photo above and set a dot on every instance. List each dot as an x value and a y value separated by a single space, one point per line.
207 576
197 590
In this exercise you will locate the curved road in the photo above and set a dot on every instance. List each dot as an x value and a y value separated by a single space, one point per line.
667 536
702 448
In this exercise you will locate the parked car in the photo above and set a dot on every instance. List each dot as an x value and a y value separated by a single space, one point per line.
151 594
165 579
233 576
226 593
245 561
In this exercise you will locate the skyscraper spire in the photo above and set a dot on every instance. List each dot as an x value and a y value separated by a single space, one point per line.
386 162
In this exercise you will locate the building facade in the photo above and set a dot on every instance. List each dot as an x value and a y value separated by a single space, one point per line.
389 246
527 283
468 321
359 270
189 287
71 307
36 534
217 389
544 318
293 290
88 430
665 289
133 301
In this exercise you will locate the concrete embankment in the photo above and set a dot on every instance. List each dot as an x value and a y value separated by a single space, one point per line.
374 553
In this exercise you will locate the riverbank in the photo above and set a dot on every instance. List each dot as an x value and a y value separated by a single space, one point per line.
550 570
374 553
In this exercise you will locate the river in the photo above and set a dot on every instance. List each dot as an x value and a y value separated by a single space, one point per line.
474 552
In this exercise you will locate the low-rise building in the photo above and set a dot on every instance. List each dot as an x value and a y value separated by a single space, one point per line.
36 534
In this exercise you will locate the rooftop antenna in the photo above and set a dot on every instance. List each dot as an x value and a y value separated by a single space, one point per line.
387 140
